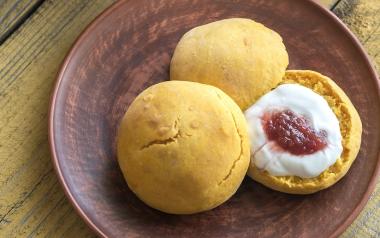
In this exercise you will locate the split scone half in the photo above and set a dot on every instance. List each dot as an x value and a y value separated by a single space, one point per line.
308 146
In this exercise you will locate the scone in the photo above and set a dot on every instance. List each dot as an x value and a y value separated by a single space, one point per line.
183 147
240 56
323 155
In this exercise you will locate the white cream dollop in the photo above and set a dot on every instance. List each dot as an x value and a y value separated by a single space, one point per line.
313 107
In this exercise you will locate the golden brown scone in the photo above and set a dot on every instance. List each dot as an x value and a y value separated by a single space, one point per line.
350 127
240 56
183 147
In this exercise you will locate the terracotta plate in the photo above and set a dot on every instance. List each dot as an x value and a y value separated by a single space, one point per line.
129 47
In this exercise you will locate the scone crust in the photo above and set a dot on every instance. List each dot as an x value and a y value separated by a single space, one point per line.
183 147
243 58
350 127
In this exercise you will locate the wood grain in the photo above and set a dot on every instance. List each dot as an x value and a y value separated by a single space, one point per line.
14 13
113 62
363 18
328 3
31 200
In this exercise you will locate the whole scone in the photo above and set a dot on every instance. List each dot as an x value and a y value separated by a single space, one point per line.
350 128
183 147
240 56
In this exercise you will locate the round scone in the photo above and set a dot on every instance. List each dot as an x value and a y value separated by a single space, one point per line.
240 56
183 147
322 156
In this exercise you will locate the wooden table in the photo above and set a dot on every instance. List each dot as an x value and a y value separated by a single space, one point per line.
35 36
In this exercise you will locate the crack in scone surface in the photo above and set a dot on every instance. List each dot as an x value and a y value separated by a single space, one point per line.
166 141
241 145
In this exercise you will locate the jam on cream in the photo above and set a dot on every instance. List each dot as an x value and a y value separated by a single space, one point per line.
293 131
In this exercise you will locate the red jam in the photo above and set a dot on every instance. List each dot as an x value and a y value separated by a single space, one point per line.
293 133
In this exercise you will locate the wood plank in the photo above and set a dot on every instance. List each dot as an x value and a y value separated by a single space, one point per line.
13 13
363 18
32 202
328 3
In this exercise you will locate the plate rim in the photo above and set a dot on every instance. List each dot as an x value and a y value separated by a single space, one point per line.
109 10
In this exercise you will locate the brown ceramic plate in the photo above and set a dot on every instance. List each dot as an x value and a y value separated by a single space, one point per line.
129 47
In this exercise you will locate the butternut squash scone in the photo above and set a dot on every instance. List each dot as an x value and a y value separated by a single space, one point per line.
183 147
233 55
350 132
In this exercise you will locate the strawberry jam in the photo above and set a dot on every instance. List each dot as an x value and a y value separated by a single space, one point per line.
293 133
